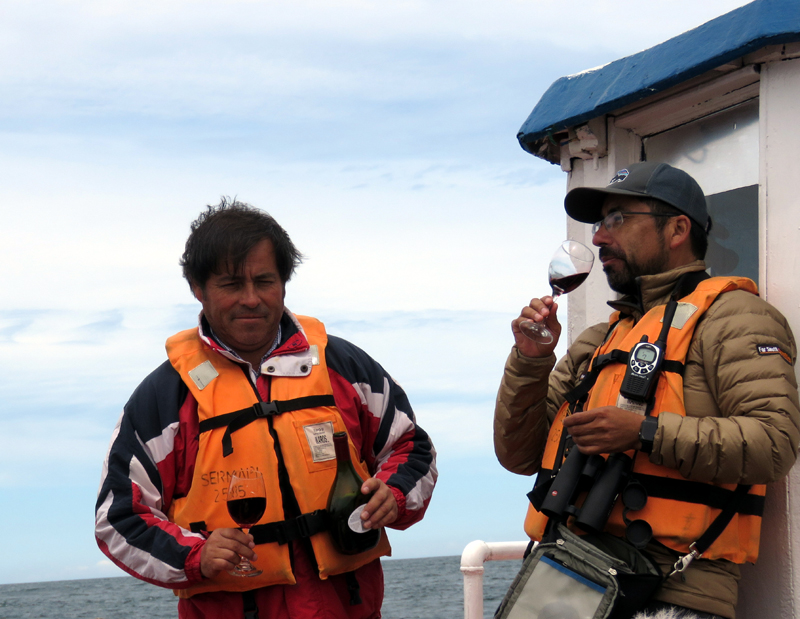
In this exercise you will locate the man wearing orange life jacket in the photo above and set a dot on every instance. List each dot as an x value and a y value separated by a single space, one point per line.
256 387
726 413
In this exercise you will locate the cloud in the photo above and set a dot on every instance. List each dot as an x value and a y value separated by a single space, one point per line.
99 330
305 81
14 323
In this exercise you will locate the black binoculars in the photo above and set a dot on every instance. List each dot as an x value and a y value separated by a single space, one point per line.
602 479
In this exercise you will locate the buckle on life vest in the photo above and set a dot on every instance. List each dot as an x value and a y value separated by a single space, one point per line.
265 409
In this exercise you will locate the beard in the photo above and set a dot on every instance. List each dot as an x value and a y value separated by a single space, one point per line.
622 276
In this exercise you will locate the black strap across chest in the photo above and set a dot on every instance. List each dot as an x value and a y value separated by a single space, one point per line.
736 501
582 389
239 419
684 287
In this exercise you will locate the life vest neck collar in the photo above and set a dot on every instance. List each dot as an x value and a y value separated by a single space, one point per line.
654 290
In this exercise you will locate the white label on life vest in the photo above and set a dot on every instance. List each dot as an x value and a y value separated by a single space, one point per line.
203 374
320 440
683 313
640 408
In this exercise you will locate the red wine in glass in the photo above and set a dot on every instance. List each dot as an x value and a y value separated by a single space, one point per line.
563 285
246 512
569 268
246 501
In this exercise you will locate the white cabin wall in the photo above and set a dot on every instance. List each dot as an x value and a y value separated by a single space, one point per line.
587 304
772 586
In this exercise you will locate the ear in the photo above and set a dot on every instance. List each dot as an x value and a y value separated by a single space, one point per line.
197 291
679 227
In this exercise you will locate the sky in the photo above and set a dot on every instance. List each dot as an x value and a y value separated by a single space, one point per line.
380 134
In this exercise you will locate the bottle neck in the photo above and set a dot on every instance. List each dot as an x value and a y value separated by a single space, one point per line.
341 446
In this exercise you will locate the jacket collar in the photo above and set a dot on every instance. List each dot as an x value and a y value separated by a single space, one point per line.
654 290
293 341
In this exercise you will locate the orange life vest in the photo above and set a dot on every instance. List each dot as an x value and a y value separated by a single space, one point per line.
305 445
676 521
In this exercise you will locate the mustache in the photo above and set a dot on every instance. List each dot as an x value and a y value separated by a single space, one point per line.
605 253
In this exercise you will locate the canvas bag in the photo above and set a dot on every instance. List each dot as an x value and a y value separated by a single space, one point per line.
581 577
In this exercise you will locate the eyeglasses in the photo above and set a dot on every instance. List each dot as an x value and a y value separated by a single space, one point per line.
615 219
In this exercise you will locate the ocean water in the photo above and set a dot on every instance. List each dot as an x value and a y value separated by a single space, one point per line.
431 588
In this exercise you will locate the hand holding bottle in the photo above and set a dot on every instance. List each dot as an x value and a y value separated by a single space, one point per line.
381 509
356 508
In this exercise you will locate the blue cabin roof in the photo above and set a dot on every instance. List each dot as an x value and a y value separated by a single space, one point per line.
575 99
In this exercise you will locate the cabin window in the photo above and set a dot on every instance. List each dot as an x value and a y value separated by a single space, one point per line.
721 152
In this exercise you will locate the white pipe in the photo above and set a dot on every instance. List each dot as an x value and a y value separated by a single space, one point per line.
472 559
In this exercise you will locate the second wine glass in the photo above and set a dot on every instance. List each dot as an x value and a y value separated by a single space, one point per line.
247 501
568 269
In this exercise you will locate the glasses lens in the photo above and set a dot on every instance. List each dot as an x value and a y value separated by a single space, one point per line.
613 220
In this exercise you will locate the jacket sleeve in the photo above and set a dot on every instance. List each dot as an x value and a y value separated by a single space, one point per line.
138 481
747 431
382 425
529 397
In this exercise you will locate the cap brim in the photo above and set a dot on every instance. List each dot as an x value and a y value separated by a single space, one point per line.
585 204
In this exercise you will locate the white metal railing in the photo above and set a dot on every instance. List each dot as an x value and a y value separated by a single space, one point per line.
472 559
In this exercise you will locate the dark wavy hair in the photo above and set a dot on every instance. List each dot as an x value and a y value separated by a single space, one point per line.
223 235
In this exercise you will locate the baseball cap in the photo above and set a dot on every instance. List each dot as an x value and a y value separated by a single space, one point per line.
642 180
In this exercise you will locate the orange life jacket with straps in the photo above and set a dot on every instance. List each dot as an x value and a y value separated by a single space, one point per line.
289 438
679 511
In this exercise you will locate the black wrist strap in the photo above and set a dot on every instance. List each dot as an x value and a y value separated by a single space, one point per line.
647 434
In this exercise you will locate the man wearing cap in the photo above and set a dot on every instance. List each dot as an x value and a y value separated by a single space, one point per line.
722 421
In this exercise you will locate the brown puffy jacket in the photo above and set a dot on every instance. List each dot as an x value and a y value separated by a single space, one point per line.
742 423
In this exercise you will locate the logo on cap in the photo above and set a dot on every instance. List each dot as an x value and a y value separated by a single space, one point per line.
619 177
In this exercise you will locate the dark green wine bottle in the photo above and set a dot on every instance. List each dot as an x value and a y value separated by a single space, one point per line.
347 534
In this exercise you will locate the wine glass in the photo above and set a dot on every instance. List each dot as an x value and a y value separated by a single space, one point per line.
246 500
569 267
